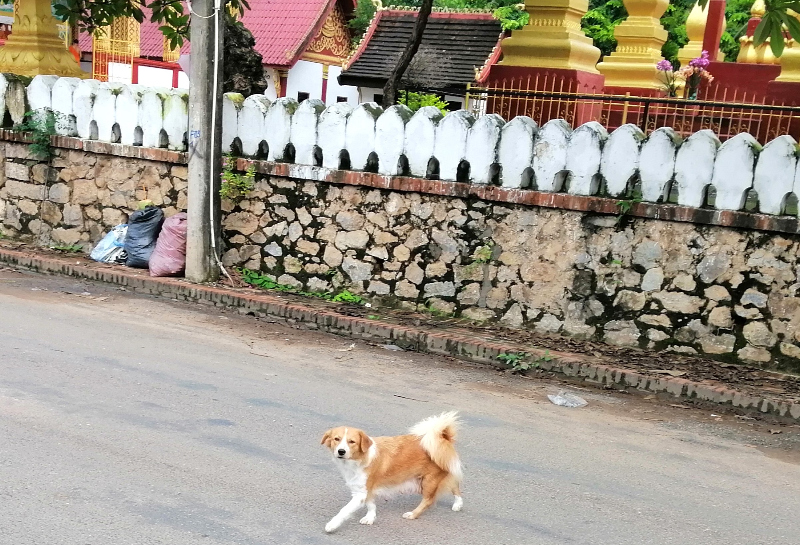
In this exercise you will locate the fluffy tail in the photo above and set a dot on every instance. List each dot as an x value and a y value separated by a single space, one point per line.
437 436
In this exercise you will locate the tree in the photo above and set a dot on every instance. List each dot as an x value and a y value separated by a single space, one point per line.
89 15
508 12
390 89
604 15
244 68
776 18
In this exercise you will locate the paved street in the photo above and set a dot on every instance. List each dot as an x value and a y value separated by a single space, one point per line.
132 420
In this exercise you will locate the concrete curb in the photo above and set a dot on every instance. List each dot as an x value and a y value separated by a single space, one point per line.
463 345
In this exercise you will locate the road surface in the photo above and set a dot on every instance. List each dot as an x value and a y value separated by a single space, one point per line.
133 420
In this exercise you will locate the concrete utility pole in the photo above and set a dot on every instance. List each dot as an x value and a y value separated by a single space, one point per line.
204 174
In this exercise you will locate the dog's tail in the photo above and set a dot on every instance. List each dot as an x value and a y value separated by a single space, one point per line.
437 436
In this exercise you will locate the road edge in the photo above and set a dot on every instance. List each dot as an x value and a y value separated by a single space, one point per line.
572 366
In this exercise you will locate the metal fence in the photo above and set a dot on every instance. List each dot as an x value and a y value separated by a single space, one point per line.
725 110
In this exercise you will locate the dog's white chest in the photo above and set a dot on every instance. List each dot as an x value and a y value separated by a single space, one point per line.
354 475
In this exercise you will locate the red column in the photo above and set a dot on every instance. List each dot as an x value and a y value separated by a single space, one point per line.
325 83
716 18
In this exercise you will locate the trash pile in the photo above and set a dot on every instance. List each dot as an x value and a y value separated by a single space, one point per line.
147 241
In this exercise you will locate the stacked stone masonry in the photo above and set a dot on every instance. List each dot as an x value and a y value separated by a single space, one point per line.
510 254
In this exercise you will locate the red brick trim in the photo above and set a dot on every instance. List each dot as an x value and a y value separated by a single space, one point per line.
454 343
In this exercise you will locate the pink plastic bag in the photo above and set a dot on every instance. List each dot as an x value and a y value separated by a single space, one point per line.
169 257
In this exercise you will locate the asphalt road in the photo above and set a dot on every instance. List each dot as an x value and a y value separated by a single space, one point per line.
131 420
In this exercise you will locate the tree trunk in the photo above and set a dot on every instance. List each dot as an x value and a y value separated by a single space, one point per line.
390 89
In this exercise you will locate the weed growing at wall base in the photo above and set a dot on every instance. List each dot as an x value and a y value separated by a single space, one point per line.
255 278
522 362
70 249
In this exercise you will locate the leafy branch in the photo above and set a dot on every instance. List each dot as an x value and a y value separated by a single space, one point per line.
171 15
776 18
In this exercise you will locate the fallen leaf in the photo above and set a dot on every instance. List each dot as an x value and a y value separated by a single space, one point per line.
670 372
348 349
680 406
650 397
775 432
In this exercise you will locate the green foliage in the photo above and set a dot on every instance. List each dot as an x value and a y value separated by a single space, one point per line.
604 15
521 362
506 11
415 101
511 17
626 205
234 185
345 297
362 17
70 249
172 15
243 69
41 125
599 23
775 17
255 278
483 254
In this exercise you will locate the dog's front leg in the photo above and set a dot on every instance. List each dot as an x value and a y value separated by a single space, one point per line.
346 512
369 518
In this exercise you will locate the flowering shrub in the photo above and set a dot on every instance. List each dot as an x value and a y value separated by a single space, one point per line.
695 74
691 76
669 79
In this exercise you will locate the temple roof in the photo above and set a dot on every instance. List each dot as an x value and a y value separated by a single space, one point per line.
453 46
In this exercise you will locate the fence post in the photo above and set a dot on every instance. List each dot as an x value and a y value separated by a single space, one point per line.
625 108
645 114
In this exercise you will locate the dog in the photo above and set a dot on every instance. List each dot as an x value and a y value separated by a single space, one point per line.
424 462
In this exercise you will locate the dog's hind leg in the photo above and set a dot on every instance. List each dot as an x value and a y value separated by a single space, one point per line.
430 490
347 511
458 502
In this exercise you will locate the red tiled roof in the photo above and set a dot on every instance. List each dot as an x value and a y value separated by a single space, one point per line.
282 29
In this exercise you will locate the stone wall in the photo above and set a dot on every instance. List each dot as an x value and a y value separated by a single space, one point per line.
81 193
572 267
479 219
643 282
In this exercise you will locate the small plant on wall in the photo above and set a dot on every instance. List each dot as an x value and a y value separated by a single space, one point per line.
235 186
41 125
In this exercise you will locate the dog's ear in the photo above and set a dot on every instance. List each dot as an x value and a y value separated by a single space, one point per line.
326 439
365 442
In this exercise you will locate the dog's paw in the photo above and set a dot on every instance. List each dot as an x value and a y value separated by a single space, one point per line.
458 504
368 519
331 526
409 515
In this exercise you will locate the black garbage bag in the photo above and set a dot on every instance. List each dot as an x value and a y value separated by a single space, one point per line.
140 241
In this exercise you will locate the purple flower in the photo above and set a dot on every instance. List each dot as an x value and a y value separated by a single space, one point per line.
702 61
664 65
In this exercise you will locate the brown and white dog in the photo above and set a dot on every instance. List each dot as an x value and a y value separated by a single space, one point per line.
423 462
